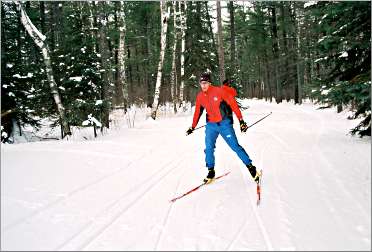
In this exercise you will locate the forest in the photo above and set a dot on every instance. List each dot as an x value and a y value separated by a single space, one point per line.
68 60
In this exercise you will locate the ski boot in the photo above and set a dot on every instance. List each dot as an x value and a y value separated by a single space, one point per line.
253 171
210 176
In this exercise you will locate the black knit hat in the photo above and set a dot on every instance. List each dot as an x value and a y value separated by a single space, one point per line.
205 77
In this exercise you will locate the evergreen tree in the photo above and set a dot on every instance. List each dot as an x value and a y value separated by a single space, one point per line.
199 55
282 50
345 51
24 91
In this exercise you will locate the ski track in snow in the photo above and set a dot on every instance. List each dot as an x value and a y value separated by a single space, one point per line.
166 218
253 203
237 235
113 219
328 165
68 195
98 228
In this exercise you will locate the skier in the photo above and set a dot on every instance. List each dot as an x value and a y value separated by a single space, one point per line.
210 98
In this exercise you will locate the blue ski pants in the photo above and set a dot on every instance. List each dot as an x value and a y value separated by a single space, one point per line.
225 128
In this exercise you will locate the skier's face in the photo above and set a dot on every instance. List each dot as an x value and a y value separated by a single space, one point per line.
204 85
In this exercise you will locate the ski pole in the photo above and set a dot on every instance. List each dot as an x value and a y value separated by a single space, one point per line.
248 126
200 127
259 120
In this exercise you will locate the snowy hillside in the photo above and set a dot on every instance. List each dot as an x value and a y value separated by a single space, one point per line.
113 193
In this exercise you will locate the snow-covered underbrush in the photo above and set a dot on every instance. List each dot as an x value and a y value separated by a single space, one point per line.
136 114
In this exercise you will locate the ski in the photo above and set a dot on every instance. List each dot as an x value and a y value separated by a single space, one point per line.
259 189
198 187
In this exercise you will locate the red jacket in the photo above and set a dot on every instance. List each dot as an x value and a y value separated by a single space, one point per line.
211 101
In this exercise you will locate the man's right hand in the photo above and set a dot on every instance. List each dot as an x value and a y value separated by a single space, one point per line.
189 131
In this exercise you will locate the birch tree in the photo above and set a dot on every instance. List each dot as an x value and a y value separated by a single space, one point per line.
39 39
163 39
221 51
183 41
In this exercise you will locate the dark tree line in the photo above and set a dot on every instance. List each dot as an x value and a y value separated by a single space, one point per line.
106 54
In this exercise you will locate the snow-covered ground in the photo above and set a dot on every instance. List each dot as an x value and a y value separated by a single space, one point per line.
113 192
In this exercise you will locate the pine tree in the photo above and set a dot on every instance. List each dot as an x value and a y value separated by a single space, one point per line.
21 76
346 56
199 54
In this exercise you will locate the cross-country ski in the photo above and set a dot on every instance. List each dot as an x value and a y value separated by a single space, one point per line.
196 188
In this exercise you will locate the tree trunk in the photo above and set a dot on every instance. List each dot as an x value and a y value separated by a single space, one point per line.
268 81
183 41
147 69
122 56
42 17
52 28
93 15
211 31
285 69
163 36
275 46
309 55
232 39
174 73
118 99
105 61
92 24
221 51
130 74
39 39
57 24
299 60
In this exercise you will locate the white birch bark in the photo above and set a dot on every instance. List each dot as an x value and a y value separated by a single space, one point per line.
39 38
173 74
183 33
164 25
122 55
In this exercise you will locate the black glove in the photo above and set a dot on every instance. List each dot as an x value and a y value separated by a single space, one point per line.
189 131
243 126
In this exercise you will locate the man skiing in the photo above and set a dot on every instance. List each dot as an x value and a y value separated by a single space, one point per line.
218 122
